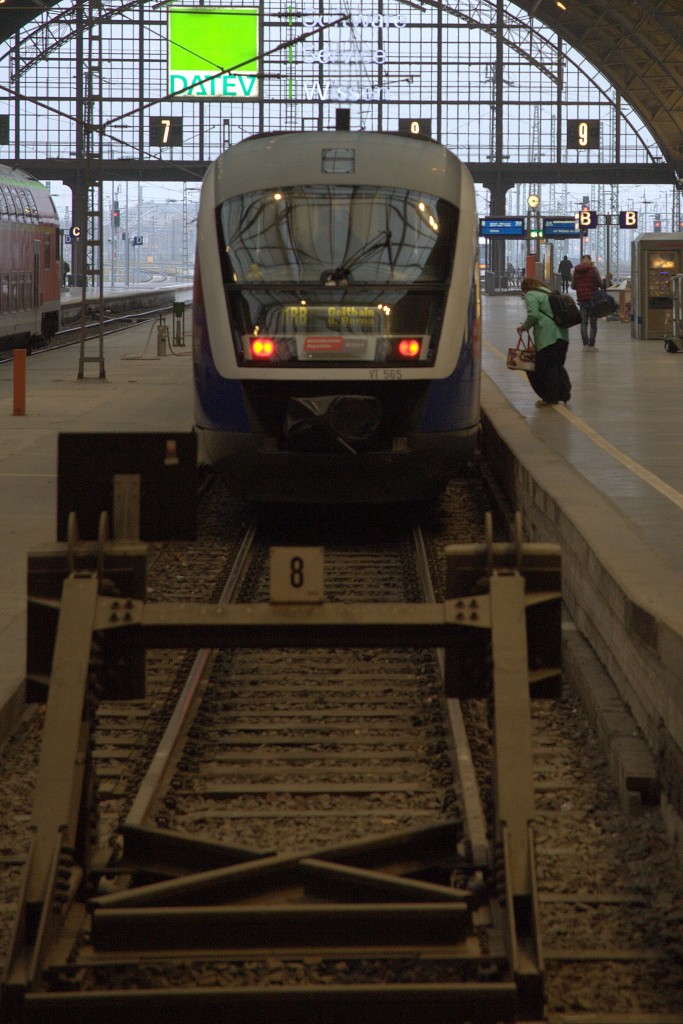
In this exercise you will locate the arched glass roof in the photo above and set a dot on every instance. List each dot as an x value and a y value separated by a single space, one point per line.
497 81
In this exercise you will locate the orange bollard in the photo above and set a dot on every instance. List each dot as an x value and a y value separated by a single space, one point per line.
19 381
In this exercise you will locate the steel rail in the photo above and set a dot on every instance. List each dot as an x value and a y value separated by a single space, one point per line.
63 335
186 702
263 904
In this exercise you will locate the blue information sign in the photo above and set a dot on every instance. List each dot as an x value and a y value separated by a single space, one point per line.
561 227
502 227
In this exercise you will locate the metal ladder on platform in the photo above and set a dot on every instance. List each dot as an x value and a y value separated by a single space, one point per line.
93 270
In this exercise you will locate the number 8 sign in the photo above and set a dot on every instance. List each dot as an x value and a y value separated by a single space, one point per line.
297 575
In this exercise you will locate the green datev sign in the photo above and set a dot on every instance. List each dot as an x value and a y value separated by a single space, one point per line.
203 41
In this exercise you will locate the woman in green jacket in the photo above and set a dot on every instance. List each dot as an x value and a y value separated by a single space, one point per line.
549 380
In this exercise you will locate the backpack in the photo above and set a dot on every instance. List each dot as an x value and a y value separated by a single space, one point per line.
565 311
602 304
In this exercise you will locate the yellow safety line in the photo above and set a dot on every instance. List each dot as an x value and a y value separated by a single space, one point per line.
649 478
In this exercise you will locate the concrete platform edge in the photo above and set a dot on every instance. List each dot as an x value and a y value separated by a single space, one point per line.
624 600
624 746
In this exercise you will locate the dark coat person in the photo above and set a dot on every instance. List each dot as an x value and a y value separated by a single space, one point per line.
586 281
565 270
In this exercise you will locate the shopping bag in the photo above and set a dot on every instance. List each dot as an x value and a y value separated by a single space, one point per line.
523 356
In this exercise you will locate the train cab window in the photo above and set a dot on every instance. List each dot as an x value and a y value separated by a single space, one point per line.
4 294
369 266
47 254
13 307
28 293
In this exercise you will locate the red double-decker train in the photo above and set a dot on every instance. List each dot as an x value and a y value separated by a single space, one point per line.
30 261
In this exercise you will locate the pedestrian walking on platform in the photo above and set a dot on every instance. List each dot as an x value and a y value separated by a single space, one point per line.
586 280
549 380
565 269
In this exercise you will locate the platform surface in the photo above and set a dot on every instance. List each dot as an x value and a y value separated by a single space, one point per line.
140 392
622 428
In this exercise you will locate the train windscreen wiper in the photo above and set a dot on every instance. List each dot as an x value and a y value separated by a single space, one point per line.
341 275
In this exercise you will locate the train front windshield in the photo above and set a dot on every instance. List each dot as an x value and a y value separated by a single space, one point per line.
336 274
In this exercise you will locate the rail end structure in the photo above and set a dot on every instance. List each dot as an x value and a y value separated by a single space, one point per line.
511 597
520 585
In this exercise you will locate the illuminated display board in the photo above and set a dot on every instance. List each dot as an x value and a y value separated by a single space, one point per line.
415 126
628 218
583 134
502 227
561 227
203 41
165 131
587 219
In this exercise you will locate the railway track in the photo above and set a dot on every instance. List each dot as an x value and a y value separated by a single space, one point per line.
287 747
71 334
610 917
306 841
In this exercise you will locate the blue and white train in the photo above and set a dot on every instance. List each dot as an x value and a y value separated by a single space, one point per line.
336 331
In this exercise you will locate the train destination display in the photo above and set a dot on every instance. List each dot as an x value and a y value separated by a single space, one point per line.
502 227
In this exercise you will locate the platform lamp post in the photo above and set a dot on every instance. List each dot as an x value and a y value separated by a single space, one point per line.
136 274
187 190
126 248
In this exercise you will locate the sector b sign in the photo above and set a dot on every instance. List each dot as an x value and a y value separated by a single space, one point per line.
213 53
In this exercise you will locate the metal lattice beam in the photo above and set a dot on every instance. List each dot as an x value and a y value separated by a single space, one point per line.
636 46
639 48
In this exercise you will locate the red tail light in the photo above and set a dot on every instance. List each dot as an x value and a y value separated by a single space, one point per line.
409 348
262 348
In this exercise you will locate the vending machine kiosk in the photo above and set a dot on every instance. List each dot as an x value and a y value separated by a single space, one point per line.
656 260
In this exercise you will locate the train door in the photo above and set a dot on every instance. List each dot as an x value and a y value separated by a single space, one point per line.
35 291
35 303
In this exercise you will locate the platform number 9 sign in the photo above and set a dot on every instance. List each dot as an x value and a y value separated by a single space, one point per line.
583 134
297 575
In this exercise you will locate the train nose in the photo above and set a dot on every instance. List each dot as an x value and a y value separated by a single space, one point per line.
332 422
